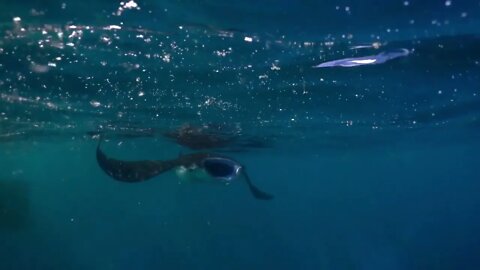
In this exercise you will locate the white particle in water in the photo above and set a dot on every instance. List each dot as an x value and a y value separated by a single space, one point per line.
448 3
130 4
106 39
17 19
248 39
274 67
222 53
406 3
141 94
166 58
39 68
112 27
95 103
50 105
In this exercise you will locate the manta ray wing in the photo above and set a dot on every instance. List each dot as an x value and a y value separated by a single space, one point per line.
133 171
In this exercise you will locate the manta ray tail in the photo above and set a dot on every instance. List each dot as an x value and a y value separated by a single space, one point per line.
256 192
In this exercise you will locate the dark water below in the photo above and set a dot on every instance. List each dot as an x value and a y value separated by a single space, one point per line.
372 167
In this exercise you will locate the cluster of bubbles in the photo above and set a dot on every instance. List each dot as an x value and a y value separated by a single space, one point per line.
80 77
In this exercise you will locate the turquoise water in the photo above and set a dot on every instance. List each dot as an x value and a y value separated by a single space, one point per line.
373 166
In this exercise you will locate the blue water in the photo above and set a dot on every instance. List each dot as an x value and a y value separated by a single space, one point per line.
372 167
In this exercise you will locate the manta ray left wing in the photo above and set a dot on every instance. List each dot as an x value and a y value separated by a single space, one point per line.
133 171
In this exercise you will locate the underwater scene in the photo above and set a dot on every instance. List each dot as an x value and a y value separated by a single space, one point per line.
181 134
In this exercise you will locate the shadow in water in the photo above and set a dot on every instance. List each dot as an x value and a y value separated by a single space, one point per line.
14 204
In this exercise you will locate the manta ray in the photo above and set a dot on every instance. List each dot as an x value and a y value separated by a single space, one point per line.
208 166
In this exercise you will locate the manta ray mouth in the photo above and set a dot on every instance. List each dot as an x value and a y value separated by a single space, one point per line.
221 168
